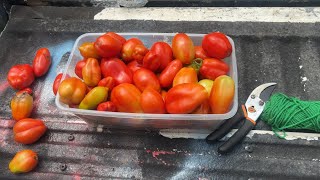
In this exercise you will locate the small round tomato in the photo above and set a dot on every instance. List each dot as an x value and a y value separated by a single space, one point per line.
87 50
144 78
72 91
107 106
217 45
200 53
24 161
20 76
222 94
126 98
28 131
183 48
41 62
185 98
78 68
108 82
167 75
185 75
21 106
152 102
108 46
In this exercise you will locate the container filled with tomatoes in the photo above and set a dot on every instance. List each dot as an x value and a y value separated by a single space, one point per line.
150 80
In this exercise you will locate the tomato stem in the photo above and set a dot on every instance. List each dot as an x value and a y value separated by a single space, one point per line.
196 64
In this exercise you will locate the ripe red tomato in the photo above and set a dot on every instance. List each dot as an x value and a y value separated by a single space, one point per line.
28 131
212 68
151 61
152 102
185 98
24 161
216 45
133 49
20 76
126 98
117 69
107 106
108 46
108 82
183 48
144 78
185 75
116 36
91 72
41 62
72 91
222 94
78 68
200 53
27 90
167 75
133 66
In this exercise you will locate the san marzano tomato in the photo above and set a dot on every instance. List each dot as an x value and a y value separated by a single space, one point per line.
28 131
24 161
41 62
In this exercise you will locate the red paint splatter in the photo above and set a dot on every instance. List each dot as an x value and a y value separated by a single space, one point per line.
157 153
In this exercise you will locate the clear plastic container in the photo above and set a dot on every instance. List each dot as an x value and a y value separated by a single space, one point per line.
142 120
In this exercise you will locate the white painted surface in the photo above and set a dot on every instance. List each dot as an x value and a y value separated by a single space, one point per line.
202 134
230 14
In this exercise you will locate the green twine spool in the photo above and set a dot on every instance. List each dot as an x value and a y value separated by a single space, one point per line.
282 112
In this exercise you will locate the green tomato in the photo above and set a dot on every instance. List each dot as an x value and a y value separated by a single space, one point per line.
94 97
207 84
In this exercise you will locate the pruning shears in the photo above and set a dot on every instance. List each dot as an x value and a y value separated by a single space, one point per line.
252 109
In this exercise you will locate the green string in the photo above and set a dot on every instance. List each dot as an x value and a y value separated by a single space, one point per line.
283 113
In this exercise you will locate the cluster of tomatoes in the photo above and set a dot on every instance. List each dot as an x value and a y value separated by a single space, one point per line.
123 75
26 130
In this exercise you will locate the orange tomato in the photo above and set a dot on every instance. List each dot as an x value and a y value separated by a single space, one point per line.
185 75
28 131
21 106
126 98
24 161
87 50
183 48
152 102
222 94
72 91
91 72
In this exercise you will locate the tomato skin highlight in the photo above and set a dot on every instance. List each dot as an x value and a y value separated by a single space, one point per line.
222 94
167 75
152 101
126 98
28 131
185 98
217 45
20 76
183 48
24 161
21 106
